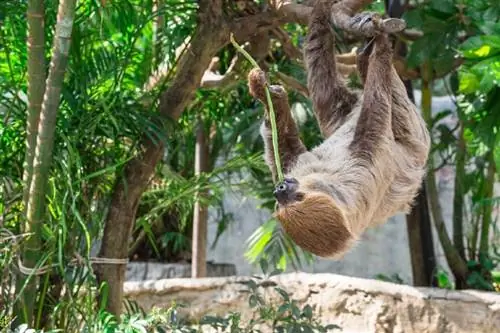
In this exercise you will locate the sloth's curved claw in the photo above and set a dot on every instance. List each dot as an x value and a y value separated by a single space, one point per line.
392 25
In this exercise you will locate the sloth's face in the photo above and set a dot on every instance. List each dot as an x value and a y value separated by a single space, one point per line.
287 192
316 224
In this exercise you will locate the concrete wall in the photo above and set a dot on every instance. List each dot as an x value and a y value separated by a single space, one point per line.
383 249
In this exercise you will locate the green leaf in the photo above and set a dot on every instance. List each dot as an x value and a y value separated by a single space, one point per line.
493 41
283 294
332 327
444 6
264 265
252 301
469 83
414 18
283 308
307 311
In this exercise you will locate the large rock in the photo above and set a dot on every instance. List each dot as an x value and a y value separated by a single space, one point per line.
357 305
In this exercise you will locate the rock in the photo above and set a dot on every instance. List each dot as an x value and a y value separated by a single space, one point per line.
356 305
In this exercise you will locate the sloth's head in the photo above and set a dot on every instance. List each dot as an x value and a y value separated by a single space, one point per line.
312 219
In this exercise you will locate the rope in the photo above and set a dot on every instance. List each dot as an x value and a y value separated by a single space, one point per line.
272 116
78 260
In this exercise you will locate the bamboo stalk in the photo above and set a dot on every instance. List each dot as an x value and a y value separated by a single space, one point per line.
35 211
36 89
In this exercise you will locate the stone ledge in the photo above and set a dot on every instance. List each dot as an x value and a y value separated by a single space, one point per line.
357 305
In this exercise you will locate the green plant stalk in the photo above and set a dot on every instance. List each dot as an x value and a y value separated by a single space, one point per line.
45 141
272 116
458 195
456 263
36 89
488 206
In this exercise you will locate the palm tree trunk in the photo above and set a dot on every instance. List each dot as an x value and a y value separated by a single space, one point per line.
44 144
36 89
200 216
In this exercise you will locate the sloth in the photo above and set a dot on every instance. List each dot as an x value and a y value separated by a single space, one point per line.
373 159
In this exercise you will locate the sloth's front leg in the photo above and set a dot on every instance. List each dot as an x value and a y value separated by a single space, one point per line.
366 24
289 144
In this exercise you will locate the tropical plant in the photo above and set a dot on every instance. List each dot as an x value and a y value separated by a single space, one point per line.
463 35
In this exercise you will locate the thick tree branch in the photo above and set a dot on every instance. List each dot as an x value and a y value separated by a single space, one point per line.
291 12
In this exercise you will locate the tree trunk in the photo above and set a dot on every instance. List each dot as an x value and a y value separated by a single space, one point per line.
36 89
423 258
35 211
200 216
210 35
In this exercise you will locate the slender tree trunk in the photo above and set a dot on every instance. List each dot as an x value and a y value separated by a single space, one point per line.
418 224
458 195
457 264
36 89
423 258
35 211
200 216
210 35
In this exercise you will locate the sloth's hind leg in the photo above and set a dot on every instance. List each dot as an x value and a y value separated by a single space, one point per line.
374 124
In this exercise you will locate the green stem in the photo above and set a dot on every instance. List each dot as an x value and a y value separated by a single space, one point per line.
272 116
488 205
